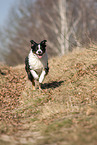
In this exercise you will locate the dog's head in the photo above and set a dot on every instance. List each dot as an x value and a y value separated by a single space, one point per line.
38 48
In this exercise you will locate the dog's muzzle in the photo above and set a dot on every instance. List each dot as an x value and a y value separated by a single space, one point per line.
39 54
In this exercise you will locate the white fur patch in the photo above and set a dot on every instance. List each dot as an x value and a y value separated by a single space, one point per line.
36 63
34 74
42 76
37 66
38 49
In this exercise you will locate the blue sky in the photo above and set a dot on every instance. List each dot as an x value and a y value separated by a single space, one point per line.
4 9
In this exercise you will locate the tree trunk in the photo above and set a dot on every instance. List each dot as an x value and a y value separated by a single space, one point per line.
64 43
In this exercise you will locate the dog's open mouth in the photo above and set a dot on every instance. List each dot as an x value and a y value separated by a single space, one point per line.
40 55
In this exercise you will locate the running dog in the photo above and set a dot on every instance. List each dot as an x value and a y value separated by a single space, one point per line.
36 63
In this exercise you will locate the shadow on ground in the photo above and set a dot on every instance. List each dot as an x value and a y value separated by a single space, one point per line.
52 85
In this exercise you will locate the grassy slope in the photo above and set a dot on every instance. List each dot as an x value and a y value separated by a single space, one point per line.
64 113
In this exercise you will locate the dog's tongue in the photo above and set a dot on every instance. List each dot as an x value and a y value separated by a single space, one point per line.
39 56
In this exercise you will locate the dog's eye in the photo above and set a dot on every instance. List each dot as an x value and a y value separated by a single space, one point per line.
37 48
41 48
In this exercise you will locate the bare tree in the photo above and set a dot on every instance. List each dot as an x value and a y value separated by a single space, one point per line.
64 26
63 23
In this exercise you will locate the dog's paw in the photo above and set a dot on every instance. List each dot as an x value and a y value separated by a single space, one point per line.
33 88
36 77
40 88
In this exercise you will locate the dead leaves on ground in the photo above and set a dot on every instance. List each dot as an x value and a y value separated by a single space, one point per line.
12 84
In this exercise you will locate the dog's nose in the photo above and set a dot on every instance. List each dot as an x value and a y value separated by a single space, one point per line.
39 52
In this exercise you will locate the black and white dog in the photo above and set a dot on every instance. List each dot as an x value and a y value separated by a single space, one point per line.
36 63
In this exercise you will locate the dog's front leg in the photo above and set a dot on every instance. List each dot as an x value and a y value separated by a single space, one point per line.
35 77
41 78
34 74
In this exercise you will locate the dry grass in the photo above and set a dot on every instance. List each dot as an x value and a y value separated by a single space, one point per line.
65 112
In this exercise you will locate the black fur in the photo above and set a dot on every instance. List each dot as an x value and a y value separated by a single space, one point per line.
27 68
47 69
39 51
34 45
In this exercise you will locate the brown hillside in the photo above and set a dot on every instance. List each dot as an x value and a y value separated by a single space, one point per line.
65 112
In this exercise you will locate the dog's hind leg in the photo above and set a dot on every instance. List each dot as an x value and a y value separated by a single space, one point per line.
30 76
33 84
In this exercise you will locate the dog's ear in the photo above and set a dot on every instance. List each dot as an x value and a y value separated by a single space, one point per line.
32 42
43 42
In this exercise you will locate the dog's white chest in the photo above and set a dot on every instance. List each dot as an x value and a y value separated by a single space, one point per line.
36 63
